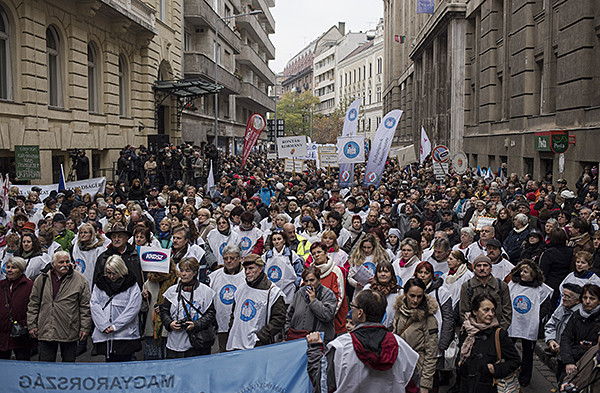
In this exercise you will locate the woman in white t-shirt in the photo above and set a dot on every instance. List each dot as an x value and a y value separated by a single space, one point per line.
583 273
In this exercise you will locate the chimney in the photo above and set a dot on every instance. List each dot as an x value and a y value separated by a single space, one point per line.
342 27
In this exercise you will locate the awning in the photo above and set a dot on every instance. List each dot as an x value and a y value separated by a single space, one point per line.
187 88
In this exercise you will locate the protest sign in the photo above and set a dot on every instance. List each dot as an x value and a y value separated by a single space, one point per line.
155 259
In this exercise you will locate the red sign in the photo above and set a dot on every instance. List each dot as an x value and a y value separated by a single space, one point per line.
256 123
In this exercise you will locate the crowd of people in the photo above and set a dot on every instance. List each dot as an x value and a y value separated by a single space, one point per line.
451 274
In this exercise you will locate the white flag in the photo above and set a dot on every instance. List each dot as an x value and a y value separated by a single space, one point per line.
210 183
351 119
425 146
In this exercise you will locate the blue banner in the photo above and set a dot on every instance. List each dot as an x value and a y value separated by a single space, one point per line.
273 368
381 148
425 7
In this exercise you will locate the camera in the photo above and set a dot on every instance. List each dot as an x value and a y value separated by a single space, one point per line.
182 322
570 389
73 154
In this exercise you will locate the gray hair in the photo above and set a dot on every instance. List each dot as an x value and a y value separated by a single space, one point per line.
468 231
116 264
60 253
522 219
283 217
232 249
18 262
553 222
442 243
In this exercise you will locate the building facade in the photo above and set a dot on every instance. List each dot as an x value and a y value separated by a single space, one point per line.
360 75
298 72
80 75
244 51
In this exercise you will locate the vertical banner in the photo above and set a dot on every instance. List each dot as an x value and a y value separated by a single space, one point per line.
210 183
425 148
381 147
350 129
256 123
425 6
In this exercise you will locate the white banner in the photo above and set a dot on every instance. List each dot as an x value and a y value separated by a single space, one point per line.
292 147
351 119
311 151
293 165
155 259
351 149
381 147
91 186
406 155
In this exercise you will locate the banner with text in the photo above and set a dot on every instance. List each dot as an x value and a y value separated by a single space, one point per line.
328 157
351 119
274 368
293 166
292 146
27 162
91 186
155 259
351 149
256 123
381 147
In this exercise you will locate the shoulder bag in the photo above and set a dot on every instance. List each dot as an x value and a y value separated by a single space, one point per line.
200 339
509 384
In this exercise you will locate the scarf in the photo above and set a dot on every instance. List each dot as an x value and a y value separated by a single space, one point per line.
99 240
355 232
27 254
375 346
586 314
472 327
325 268
384 289
583 274
114 287
163 235
459 205
521 230
408 263
226 232
452 278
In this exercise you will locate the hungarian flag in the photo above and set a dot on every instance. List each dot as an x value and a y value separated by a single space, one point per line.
400 38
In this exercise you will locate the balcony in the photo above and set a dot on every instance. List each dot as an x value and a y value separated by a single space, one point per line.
258 34
200 65
136 11
252 59
200 14
266 15
255 96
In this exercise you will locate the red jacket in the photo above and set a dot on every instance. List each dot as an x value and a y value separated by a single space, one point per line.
18 298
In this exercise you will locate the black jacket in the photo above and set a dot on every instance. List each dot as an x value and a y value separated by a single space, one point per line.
131 259
474 374
555 263
578 329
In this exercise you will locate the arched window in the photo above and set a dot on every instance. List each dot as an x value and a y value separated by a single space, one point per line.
54 65
92 62
5 65
123 98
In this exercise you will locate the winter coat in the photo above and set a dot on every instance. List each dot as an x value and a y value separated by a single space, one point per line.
60 318
474 374
314 316
503 228
419 328
497 289
588 373
555 263
18 297
532 251
130 257
579 329
558 321
513 242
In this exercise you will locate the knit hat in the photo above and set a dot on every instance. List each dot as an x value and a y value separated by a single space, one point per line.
482 258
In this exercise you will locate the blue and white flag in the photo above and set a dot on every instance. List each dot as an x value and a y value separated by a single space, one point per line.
346 175
271 368
351 149
350 129
425 6
381 147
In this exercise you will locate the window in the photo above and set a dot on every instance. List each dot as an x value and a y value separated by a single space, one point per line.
162 10
122 87
5 66
187 41
379 65
370 70
53 65
92 61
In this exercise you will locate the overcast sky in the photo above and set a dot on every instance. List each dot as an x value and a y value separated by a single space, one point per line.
297 23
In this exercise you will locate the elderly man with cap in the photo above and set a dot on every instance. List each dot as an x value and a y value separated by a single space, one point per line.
259 310
62 236
225 283
119 235
477 248
484 282
501 267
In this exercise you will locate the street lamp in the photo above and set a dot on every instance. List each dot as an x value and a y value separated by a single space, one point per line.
217 20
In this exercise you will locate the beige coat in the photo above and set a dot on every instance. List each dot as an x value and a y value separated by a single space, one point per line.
62 318
421 335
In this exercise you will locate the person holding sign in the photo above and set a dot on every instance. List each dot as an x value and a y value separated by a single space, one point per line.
115 303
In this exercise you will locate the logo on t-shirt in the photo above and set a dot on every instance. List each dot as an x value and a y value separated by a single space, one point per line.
399 279
274 273
438 274
221 247
246 243
226 294
248 310
80 265
522 304
370 266
191 311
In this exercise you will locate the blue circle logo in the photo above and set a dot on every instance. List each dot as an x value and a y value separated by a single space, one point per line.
371 177
221 247
191 311
80 265
226 294
351 149
274 273
370 266
248 310
522 304
345 175
390 122
352 114
438 274
246 243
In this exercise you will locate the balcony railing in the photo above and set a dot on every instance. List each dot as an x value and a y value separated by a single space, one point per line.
251 93
250 57
250 22
135 10
198 64
202 14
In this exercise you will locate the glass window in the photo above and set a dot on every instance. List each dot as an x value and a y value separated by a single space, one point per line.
53 65
5 65
123 99
92 61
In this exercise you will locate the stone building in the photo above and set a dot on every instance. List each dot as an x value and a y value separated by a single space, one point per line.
360 75
298 72
80 74
244 51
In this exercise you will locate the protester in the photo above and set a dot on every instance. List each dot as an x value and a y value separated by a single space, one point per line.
282 265
385 282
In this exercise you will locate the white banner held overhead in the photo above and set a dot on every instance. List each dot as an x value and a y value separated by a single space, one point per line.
155 259
351 149
406 155
91 186
327 150
292 146
351 119
381 147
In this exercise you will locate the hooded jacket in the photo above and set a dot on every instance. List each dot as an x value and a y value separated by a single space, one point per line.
419 328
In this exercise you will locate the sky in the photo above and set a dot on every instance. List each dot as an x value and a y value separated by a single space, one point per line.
299 22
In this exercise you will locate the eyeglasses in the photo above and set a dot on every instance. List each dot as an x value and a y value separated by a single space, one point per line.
355 306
